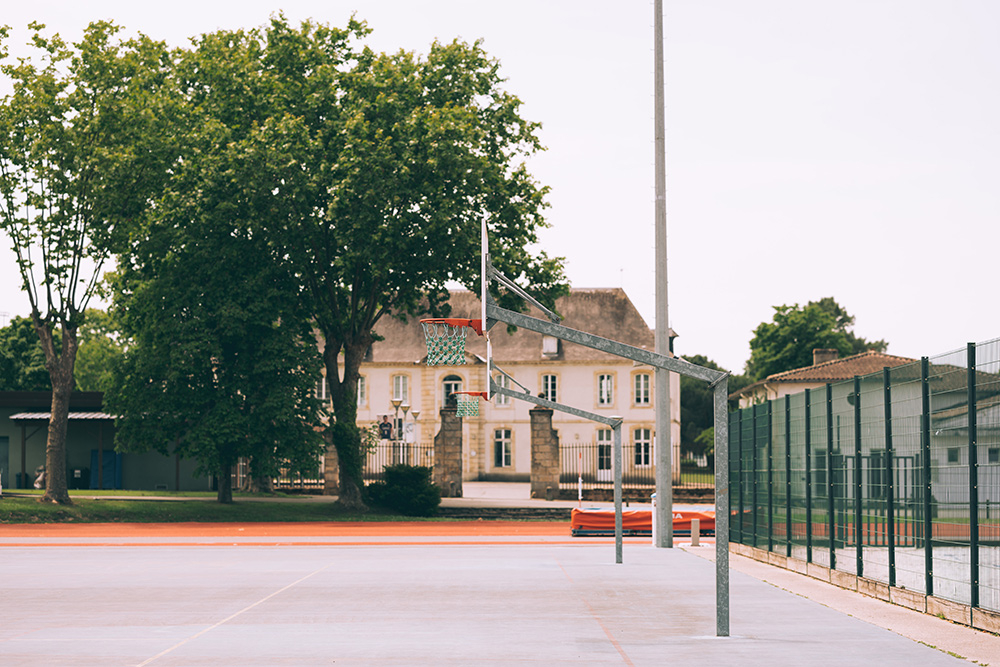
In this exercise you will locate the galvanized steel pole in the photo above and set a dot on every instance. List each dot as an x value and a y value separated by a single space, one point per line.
618 489
722 511
664 450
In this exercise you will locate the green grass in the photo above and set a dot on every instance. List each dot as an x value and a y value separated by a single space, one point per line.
697 477
106 508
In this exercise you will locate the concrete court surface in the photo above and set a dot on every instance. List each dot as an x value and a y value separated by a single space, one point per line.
418 603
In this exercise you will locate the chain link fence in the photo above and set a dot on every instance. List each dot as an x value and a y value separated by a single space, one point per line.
893 476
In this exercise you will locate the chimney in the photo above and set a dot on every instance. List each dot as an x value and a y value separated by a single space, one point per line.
822 355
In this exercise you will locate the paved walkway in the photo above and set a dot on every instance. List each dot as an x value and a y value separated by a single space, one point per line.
453 593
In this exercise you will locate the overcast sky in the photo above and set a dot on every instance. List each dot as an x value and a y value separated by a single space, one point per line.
847 149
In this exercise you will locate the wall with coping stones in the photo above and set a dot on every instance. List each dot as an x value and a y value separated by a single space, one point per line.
331 468
448 453
544 455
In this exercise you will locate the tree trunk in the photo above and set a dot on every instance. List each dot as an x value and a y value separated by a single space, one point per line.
60 366
344 431
225 494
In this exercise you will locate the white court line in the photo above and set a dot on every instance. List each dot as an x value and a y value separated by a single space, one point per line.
231 617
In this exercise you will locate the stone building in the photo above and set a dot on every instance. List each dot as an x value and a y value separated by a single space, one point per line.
496 444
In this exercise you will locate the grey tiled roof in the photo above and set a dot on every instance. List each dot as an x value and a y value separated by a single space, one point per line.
604 312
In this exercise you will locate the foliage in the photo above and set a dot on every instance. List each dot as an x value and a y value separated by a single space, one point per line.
22 360
373 174
787 342
222 365
101 349
844 322
79 153
698 404
706 442
406 489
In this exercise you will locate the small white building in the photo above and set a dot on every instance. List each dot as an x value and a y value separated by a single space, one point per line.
497 442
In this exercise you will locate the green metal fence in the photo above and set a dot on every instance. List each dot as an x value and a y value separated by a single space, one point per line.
893 476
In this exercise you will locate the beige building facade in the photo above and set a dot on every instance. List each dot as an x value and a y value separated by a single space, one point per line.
497 442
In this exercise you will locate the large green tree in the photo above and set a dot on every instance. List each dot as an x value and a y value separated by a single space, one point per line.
222 361
788 341
79 154
221 366
375 171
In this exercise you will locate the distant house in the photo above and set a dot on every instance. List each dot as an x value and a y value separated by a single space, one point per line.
826 368
497 442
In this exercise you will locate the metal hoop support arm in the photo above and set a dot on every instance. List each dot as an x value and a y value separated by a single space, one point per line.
680 366
552 405
495 274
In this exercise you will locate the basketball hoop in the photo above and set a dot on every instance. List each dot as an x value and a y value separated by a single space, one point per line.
469 407
446 339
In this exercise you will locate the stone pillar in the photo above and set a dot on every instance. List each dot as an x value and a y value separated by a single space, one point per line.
545 466
448 453
331 468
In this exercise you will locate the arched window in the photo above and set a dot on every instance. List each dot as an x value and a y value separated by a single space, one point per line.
450 385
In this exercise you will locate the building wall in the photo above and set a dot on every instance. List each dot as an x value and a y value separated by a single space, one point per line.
577 386
140 471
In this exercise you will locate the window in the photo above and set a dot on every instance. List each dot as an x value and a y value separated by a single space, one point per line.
605 389
549 387
993 455
504 383
321 391
604 441
953 455
550 347
401 388
362 391
642 440
451 384
641 396
501 448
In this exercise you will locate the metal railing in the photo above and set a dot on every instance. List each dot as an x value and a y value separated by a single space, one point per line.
394 452
589 464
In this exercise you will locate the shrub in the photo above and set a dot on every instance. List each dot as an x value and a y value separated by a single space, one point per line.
406 489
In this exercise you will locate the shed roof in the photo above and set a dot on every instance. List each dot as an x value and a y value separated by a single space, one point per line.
38 416
835 370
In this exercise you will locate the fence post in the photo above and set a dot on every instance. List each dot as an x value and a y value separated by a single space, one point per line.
754 467
788 475
831 524
925 442
809 529
973 482
739 475
770 477
858 533
890 478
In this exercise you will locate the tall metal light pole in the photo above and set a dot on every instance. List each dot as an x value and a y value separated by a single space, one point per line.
664 482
